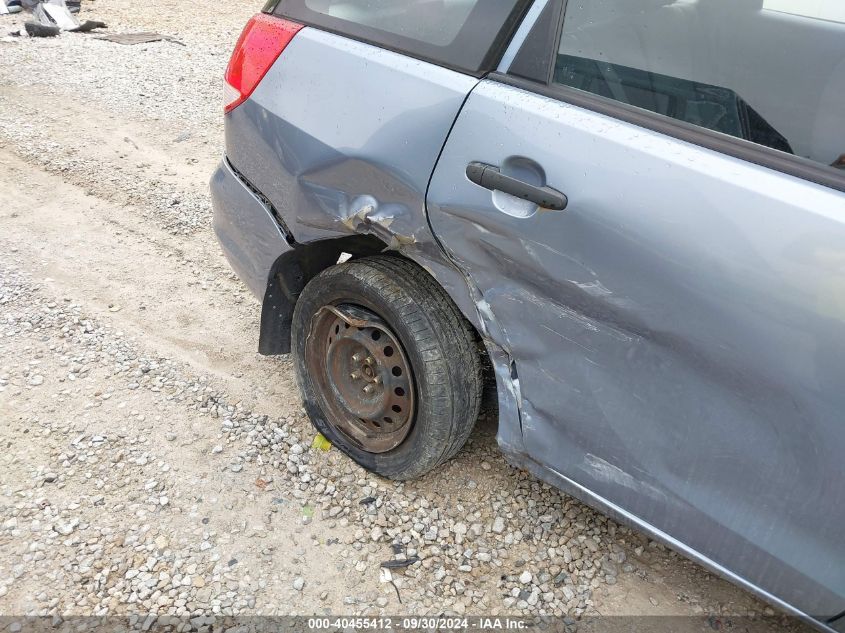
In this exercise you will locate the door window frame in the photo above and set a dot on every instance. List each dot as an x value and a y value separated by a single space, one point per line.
538 78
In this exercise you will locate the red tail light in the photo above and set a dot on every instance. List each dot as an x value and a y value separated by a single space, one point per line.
262 41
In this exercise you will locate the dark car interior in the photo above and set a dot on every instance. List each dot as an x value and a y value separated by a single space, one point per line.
711 107
736 66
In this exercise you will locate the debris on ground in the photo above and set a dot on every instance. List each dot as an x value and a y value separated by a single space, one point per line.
89 25
55 13
139 38
321 443
52 17
36 29
10 6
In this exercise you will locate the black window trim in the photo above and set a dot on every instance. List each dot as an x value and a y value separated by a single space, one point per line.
489 62
792 165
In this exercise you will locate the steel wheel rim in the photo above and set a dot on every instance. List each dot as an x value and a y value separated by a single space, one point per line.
364 380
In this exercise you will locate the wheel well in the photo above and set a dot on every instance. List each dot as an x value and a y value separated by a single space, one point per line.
289 275
293 270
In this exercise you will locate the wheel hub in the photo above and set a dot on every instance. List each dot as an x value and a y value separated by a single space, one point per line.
363 376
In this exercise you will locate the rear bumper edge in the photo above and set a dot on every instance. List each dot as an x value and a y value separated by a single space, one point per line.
249 234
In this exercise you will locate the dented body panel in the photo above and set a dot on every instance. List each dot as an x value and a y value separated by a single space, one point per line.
678 332
668 349
249 235
329 138
328 144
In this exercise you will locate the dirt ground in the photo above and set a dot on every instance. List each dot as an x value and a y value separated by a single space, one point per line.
153 462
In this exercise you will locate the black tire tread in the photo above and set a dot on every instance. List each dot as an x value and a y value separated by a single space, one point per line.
461 339
443 338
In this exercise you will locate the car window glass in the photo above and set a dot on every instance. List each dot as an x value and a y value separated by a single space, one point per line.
464 34
433 21
768 71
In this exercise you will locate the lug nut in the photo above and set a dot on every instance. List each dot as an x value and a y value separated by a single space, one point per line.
368 388
370 360
355 375
356 357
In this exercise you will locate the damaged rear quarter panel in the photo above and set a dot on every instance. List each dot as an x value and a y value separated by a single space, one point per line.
356 131
342 137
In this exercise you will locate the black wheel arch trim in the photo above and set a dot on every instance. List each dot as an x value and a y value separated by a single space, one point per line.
288 276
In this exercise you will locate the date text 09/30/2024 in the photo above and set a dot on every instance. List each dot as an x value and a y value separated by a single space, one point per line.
421 623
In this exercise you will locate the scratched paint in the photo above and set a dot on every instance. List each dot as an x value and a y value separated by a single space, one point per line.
672 354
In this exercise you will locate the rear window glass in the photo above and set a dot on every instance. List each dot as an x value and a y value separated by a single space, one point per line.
463 34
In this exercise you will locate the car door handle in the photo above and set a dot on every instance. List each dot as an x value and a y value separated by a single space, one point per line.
489 177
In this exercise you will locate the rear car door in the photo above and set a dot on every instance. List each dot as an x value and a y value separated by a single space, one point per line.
678 331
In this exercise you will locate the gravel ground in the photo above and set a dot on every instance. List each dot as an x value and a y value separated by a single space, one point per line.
153 463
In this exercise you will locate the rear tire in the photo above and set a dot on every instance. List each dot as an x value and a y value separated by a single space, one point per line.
396 301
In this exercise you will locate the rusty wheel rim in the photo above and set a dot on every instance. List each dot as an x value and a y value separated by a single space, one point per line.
362 375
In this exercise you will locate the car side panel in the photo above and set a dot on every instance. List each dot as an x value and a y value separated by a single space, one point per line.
340 132
342 137
678 332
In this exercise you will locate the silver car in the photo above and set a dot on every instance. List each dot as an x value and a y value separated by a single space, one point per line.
619 224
